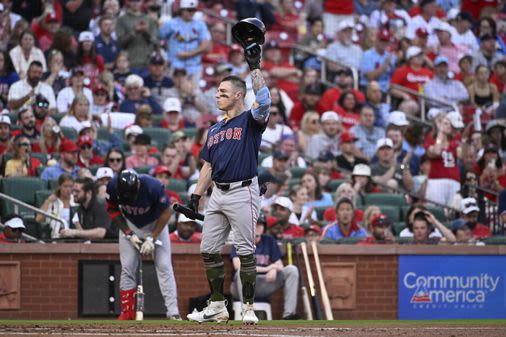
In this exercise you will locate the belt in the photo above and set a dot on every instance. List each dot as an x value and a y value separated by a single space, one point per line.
226 187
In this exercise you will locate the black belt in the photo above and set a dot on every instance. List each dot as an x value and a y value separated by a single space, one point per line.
226 187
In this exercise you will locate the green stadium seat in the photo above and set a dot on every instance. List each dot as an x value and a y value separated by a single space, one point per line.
494 240
143 169
13 116
319 212
262 156
40 156
159 136
41 196
157 120
293 182
59 116
93 168
190 132
349 241
23 189
397 227
392 212
297 172
69 133
438 212
404 240
385 199
177 185
335 183
103 133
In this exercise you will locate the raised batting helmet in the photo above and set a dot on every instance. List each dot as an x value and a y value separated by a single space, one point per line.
249 31
128 186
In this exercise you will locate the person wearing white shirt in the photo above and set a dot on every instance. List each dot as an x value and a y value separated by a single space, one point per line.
25 53
427 19
274 130
462 34
78 116
66 95
343 50
22 93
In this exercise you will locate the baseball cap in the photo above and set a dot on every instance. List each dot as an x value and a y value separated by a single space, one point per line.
455 119
491 147
86 36
104 172
384 142
280 155
284 202
347 137
5 119
458 224
51 17
77 71
68 145
421 32
345 24
380 220
444 26
433 113
222 67
161 169
314 228
440 59
465 16
142 139
84 125
330 116
99 88
486 37
172 104
133 130
184 218
16 222
267 177
156 59
84 140
235 48
313 89
177 136
189 4
398 118
361 170
272 44
469 205
495 123
412 52
384 35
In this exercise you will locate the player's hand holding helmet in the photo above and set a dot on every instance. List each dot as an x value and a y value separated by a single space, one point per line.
194 203
250 33
148 246
253 55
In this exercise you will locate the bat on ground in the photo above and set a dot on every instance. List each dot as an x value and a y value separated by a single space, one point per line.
312 290
303 289
188 212
323 289
289 253
139 295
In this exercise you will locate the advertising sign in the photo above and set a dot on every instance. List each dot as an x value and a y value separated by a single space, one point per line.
452 287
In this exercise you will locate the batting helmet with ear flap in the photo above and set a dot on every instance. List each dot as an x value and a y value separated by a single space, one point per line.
249 31
128 186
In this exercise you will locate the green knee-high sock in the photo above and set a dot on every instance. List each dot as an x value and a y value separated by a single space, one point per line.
248 277
215 272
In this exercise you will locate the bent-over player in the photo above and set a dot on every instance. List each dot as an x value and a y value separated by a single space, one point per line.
230 161
139 206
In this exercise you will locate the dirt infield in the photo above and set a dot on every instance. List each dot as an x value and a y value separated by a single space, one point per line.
265 329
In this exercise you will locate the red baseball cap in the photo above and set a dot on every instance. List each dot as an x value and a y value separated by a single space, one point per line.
271 221
314 228
84 140
99 88
161 169
379 219
68 146
422 32
347 137
384 35
51 17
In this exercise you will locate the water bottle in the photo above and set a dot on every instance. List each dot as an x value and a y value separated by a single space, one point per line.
477 120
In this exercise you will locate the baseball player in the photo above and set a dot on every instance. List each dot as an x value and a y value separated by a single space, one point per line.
230 162
139 206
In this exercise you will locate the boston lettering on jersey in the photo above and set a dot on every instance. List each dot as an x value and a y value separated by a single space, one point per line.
228 134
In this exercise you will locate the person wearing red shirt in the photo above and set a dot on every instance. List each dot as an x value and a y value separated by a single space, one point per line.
335 12
13 231
444 175
5 131
162 173
91 63
308 102
86 157
475 7
344 81
499 76
186 231
381 231
220 50
45 27
279 226
172 118
172 160
470 211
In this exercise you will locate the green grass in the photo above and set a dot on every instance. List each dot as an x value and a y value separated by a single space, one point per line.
357 323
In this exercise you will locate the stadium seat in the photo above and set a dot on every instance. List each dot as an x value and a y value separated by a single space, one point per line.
292 183
143 169
262 156
69 133
388 199
177 185
335 183
349 241
160 136
13 116
93 168
392 212
397 227
23 189
103 133
40 156
157 120
41 196
438 212
58 117
319 212
190 132
297 172
494 240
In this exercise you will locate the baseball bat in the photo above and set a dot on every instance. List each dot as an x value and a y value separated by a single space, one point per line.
312 290
289 253
323 289
188 212
303 289
139 295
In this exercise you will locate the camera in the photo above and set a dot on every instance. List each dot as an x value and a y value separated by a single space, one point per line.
56 129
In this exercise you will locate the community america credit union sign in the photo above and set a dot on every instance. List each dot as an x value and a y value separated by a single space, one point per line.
452 287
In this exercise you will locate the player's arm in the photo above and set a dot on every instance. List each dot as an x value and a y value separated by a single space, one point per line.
260 108
162 221
204 179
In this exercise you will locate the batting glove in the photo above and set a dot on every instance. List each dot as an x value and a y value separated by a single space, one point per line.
148 246
194 203
134 240
253 54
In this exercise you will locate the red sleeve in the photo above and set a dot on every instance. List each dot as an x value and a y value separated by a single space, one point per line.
34 163
330 214
398 76
37 29
100 63
296 115
429 140
329 98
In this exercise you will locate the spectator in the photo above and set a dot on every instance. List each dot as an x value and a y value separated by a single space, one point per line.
247 9
78 116
463 233
162 174
409 219
495 130
328 139
187 39
121 68
483 94
348 108
91 220
183 147
394 132
221 70
105 42
87 58
488 25
66 95
23 91
77 15
301 213
499 77
274 131
13 230
172 118
282 228
362 181
381 231
367 134
137 35
44 28
59 204
444 88
279 98
86 157
286 147
25 53
426 20
423 224
388 16
50 138
101 104
5 130
56 74
7 77
314 40
313 232
220 50
348 157
378 63
144 117
103 176
141 155
115 159
387 172
156 81
368 215
40 108
345 190
463 34
307 135
317 198
186 231
66 164
137 95
487 55
345 225
271 274
309 102
28 129
287 18
343 50
239 65
100 146
374 98
273 186
65 43
22 164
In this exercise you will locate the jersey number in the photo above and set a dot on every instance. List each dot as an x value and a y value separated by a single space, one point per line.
448 159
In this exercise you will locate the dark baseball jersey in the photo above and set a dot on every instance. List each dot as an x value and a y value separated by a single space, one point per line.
267 251
150 203
229 147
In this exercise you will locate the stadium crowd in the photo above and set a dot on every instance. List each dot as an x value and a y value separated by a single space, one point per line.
387 122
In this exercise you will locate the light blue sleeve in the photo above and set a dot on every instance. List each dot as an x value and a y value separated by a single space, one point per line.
204 35
263 98
166 30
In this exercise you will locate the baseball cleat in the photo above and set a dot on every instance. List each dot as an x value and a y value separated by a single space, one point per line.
248 314
214 312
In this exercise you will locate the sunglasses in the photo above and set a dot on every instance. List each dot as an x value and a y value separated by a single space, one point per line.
43 105
274 113
16 229
100 93
85 147
117 160
25 144
314 121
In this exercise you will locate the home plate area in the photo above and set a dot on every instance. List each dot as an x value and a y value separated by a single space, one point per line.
183 329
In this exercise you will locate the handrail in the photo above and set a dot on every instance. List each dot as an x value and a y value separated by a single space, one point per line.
32 208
